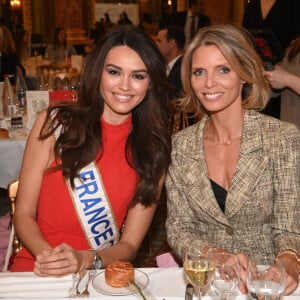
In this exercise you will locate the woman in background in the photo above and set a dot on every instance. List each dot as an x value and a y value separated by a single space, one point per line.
60 51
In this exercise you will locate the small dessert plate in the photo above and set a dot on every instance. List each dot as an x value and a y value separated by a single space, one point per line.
140 278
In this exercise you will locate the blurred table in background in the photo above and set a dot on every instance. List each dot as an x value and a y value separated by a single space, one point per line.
11 155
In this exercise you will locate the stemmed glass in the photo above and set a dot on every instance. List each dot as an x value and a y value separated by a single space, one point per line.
265 278
226 275
198 269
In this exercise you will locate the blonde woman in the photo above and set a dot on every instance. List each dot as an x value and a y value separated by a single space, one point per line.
233 184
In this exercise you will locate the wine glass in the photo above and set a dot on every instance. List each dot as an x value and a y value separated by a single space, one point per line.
226 275
265 278
198 269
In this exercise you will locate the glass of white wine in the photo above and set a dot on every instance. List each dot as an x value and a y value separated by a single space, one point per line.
226 275
265 278
198 269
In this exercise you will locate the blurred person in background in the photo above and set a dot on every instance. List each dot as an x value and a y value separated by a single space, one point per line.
59 52
9 61
94 36
281 17
286 79
170 41
190 20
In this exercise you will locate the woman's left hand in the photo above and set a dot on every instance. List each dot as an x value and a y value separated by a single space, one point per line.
62 260
292 269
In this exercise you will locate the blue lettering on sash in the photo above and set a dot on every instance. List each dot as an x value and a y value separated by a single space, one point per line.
98 216
94 229
89 203
88 188
104 236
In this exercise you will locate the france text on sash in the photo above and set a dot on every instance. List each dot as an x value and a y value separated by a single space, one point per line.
93 209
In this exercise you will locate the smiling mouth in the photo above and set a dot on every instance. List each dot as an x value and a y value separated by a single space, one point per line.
122 97
212 96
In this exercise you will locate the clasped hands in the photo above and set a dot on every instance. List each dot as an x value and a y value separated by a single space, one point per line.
61 260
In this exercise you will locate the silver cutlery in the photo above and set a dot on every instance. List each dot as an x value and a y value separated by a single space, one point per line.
91 275
189 292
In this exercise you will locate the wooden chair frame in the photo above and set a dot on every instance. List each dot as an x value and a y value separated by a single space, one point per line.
14 244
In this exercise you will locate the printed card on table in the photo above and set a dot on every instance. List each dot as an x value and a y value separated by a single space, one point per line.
36 102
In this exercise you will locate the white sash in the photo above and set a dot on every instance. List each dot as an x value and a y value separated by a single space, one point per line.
93 208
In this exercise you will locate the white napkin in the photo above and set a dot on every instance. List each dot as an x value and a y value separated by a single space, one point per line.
29 285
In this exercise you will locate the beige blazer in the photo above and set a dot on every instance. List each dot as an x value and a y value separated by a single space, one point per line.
262 213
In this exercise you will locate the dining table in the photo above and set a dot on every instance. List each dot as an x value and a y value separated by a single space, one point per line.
156 284
11 155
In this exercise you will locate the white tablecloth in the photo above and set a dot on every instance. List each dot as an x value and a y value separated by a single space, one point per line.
164 284
11 154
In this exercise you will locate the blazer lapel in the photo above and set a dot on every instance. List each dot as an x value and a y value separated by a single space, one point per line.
195 176
250 165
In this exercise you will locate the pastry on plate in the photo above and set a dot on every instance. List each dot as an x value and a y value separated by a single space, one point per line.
119 274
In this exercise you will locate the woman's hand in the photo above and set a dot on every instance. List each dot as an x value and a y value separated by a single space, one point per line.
277 77
292 269
243 259
62 260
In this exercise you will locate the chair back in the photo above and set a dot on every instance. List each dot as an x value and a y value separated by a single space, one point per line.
66 81
46 72
14 244
12 194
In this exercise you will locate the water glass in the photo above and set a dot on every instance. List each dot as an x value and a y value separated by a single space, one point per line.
265 278
226 275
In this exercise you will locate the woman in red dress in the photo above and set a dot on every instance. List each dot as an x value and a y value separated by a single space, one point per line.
118 129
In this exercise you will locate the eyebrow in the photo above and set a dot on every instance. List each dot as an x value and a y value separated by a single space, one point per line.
134 71
217 66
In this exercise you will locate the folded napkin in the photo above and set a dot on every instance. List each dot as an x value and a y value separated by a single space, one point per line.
29 285
166 260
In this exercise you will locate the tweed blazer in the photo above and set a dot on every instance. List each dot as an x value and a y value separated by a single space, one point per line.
262 213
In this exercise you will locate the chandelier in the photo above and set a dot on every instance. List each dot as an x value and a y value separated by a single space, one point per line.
15 3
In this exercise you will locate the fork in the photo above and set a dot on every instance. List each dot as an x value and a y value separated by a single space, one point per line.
85 292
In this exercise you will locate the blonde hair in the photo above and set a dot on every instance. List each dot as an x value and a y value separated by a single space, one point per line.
237 47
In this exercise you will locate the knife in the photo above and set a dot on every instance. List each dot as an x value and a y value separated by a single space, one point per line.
189 292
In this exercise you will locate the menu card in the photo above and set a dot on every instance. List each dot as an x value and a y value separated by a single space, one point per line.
36 102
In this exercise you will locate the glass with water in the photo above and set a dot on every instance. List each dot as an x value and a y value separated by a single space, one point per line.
265 278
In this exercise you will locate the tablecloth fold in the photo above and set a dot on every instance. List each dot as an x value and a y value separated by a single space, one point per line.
29 285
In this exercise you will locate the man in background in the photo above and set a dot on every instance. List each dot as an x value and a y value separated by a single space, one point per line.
190 20
170 41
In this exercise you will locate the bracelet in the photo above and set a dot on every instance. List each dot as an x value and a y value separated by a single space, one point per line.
290 252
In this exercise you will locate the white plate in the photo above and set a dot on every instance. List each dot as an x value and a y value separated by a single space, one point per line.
100 285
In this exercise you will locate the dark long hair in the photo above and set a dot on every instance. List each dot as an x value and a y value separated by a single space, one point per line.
148 145
55 39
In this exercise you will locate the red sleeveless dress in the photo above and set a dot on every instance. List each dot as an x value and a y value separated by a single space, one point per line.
56 215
